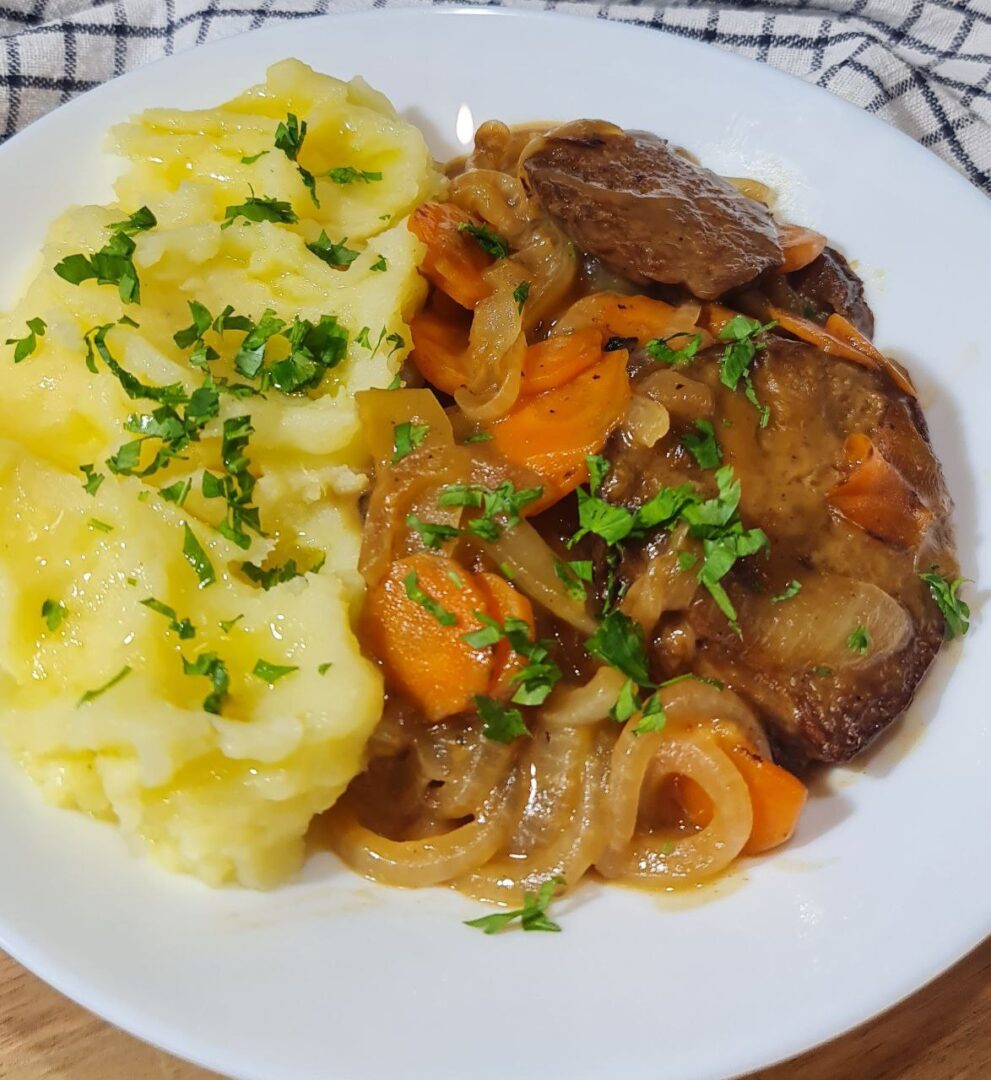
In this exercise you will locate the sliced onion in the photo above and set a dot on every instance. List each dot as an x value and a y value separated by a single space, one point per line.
581 706
642 858
683 397
498 199
647 421
533 567
753 189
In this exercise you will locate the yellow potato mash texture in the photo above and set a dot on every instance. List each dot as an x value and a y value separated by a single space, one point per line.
146 676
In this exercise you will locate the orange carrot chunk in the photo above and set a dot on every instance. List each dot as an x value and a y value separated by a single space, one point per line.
504 602
439 346
557 360
553 432
877 498
618 315
454 262
776 798
801 246
413 623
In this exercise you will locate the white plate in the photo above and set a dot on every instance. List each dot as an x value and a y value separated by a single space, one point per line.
888 881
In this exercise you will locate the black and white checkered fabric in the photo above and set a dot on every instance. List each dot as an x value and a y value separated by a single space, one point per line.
922 65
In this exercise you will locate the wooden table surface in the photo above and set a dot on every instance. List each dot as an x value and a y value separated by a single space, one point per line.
942 1033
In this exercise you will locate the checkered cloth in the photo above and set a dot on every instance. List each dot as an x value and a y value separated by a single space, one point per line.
922 65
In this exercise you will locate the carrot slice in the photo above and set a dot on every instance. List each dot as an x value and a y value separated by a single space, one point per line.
776 798
439 346
553 432
421 656
454 262
841 327
715 316
557 360
801 246
877 498
504 602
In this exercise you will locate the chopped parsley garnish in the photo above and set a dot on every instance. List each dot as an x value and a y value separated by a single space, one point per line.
407 437
703 446
91 485
499 723
380 264
500 507
210 666
532 916
573 575
489 241
260 208
652 718
539 675
314 348
23 347
277 575
191 337
686 560
96 345
520 294
956 614
793 588
455 578
346 174
660 349
745 337
100 526
227 625
111 265
432 533
859 640
197 558
322 669
619 642
140 221
821 671
289 136
271 673
426 601
479 436
92 695
183 627
177 492
397 341
598 467
396 382
252 158
237 486
339 256
53 612
627 703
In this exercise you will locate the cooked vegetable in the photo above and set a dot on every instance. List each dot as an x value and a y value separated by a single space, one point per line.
551 363
553 432
454 262
800 246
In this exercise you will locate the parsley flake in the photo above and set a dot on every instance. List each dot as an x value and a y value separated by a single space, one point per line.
25 346
426 601
271 673
532 916
956 614
197 558
346 174
488 240
339 256
210 666
703 446
53 612
407 437
92 695
520 294
793 588
183 627
499 723
259 208
380 264
93 480
859 640
660 349
619 642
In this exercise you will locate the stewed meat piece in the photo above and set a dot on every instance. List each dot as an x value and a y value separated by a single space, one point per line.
649 212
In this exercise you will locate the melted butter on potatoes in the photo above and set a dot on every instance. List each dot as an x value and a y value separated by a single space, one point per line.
226 796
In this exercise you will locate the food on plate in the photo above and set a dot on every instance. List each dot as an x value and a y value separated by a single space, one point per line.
181 465
657 527
549 514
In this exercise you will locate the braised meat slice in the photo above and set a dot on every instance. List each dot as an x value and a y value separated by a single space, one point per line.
829 284
832 661
648 212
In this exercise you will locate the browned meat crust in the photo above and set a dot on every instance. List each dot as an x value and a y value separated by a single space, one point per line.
829 285
648 212
818 698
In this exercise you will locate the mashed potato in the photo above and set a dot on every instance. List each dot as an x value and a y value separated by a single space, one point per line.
146 675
